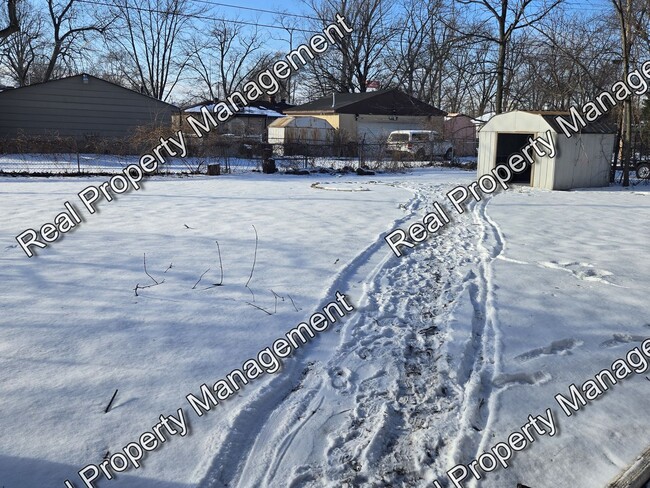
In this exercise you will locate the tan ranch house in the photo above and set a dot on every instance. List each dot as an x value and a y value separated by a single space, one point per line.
357 117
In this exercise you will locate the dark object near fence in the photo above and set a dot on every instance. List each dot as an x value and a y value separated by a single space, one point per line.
268 166
295 171
364 172
214 169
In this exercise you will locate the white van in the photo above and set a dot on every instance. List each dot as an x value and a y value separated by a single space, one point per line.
419 144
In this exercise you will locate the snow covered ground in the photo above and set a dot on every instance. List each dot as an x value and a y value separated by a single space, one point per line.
101 163
449 350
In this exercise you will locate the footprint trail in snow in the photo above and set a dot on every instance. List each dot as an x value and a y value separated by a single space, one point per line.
386 407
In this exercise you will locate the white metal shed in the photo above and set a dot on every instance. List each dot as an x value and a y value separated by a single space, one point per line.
305 130
583 160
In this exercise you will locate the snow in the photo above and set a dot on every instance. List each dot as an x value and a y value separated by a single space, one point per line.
100 163
450 348
248 110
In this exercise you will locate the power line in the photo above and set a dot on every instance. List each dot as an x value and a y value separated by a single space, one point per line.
252 9
493 49
194 16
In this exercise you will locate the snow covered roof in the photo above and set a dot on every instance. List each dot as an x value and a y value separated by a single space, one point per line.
251 110
482 119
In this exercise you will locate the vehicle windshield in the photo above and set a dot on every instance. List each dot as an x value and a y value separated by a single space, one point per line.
420 136
398 138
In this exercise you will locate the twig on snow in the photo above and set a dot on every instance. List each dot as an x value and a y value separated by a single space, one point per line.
259 308
147 272
254 261
293 303
138 287
108 407
220 265
276 296
200 278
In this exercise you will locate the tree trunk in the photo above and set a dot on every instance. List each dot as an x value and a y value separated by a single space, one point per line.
501 65
56 50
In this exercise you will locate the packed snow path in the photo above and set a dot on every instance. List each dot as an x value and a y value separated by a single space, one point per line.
387 407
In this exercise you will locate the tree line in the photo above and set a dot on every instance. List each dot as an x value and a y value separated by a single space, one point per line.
471 56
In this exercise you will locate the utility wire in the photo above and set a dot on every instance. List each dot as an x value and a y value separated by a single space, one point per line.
194 16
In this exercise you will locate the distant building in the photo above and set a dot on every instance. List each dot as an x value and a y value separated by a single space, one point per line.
79 106
462 131
292 135
371 116
249 122
583 160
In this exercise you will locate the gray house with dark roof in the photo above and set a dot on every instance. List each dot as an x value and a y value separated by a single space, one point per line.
369 116
79 106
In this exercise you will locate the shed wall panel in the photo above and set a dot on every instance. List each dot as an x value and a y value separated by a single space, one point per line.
486 152
585 161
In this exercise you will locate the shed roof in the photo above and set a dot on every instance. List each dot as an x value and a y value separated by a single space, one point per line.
301 122
548 119
595 127
381 102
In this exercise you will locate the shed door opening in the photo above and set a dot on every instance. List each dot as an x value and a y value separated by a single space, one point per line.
509 144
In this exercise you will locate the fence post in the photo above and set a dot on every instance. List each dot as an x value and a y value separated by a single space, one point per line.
361 152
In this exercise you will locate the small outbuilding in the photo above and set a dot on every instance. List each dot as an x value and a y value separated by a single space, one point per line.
580 161
300 130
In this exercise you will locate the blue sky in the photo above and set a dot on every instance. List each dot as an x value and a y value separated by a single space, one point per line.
258 11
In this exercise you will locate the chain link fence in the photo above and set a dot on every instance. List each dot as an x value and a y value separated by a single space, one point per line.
53 155
639 168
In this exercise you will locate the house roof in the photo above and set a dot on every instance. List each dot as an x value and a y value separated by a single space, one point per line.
382 102
25 89
482 119
256 110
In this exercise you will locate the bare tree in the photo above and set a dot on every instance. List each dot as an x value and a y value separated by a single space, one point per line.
421 52
291 26
152 34
70 25
570 62
470 77
631 15
227 57
25 48
510 16
359 57
14 25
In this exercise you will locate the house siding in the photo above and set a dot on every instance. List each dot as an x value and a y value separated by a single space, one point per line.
70 107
